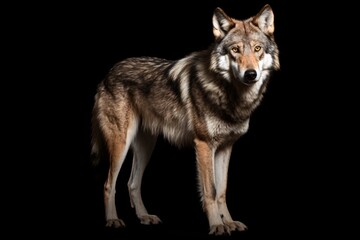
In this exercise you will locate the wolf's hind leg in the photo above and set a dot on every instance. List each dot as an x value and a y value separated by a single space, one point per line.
118 131
222 158
143 146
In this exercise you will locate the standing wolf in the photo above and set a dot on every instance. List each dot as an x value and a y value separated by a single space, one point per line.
204 99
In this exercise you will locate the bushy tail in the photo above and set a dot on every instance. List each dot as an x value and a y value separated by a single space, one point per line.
97 143
95 156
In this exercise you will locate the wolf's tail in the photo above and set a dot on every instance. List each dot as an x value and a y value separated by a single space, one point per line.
97 145
95 156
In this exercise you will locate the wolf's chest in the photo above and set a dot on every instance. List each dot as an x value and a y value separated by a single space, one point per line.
220 130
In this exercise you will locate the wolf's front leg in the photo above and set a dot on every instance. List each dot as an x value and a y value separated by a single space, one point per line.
206 174
222 159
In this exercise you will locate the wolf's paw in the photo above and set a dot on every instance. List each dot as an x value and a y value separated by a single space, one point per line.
220 230
115 223
149 219
236 226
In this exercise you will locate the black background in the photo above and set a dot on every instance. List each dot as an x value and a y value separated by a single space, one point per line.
281 179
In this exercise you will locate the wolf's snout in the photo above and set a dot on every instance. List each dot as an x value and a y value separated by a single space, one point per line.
250 76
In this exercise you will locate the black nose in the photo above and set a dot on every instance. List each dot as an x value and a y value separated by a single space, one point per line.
250 75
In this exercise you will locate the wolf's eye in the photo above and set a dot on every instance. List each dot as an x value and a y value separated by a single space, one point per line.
257 48
235 50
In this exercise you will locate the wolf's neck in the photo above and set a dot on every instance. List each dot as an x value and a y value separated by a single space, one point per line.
237 101
252 94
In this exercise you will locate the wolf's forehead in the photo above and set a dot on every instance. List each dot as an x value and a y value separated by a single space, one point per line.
246 27
243 35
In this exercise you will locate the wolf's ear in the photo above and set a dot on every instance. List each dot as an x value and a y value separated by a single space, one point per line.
265 20
221 23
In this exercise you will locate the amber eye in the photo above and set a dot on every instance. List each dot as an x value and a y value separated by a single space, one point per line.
257 48
235 50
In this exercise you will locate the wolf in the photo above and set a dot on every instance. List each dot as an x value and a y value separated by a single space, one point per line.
204 99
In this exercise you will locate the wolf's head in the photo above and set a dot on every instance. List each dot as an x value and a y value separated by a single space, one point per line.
245 50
